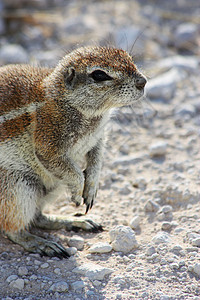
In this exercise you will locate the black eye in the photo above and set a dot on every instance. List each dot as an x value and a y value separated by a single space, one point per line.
99 75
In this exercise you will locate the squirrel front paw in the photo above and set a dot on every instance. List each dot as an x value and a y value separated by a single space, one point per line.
89 193
77 191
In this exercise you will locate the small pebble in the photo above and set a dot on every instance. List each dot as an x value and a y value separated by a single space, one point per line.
22 271
17 284
166 226
158 149
77 285
60 287
196 269
11 278
135 222
151 206
77 242
57 271
92 271
161 237
151 250
100 248
44 266
196 242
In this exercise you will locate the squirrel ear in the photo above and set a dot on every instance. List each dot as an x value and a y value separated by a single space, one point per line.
69 77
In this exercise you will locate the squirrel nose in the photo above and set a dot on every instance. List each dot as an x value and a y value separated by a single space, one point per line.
140 82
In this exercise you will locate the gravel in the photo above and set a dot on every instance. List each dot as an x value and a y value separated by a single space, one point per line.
149 185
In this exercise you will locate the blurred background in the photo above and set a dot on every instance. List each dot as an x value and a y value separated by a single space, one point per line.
42 31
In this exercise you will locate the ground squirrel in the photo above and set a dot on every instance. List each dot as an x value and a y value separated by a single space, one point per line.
51 120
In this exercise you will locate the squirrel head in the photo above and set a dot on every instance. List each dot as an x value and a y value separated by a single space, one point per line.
95 79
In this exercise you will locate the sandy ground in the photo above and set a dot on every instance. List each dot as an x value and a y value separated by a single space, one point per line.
150 182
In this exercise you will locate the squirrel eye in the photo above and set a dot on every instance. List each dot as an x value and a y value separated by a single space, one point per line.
99 75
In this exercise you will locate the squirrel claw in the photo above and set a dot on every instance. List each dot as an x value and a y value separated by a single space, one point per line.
87 208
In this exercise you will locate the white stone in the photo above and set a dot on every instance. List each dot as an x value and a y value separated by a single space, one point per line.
57 271
44 266
196 269
181 62
123 238
93 271
11 54
185 109
158 149
164 86
76 241
185 35
161 237
71 250
139 182
22 271
151 250
166 208
11 278
60 286
196 242
126 160
151 206
135 222
17 284
77 285
100 248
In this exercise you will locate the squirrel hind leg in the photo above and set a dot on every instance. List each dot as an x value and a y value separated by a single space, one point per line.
18 201
74 223
35 244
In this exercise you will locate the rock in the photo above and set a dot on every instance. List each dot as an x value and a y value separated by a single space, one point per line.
44 266
151 206
165 213
185 36
158 149
161 237
166 209
185 109
92 271
11 54
177 249
196 242
123 238
151 250
79 25
126 160
196 269
60 286
100 248
188 64
140 182
22 271
17 284
126 189
164 86
166 226
11 278
135 222
71 250
77 285
77 242
57 271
